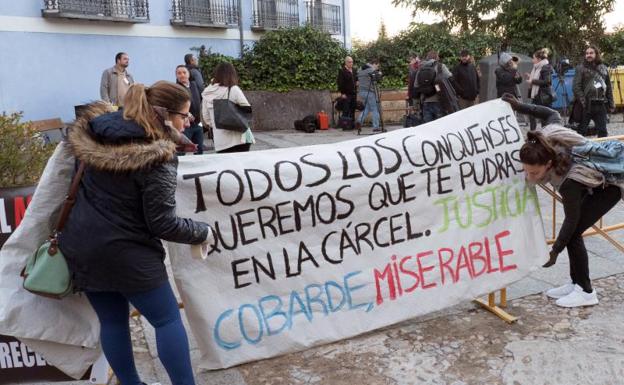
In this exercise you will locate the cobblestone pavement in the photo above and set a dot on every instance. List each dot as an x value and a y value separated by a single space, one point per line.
462 345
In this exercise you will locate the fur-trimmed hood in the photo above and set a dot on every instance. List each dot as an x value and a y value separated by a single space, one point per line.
103 139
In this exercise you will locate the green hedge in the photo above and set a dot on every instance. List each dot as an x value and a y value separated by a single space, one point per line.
296 58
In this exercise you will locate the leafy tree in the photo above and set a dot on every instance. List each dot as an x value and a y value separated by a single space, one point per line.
469 15
383 33
612 46
23 152
421 38
565 26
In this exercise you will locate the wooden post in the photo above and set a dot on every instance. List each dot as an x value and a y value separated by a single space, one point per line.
497 310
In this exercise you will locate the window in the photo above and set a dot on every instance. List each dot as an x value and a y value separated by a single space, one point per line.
325 17
132 11
205 13
273 14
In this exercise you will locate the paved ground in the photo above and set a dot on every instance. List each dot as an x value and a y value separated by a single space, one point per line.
461 345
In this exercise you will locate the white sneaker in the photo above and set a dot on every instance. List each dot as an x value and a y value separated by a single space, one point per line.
578 298
561 291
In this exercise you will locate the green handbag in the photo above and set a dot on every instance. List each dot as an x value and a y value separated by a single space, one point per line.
46 272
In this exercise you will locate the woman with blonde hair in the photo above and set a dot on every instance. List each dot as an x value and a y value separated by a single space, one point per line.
540 81
125 206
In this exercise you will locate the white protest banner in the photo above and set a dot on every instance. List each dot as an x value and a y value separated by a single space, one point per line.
317 244
65 332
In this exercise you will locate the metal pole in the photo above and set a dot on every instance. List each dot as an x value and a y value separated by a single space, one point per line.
344 24
240 27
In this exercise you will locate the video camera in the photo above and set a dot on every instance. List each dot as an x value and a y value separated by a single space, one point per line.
376 76
563 65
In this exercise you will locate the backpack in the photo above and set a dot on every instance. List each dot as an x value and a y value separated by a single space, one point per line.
425 78
606 157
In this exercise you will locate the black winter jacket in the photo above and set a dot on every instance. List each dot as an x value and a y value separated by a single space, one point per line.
347 81
125 206
466 80
196 99
507 80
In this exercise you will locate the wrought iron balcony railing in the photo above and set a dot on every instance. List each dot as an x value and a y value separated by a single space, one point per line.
205 13
274 14
132 11
325 17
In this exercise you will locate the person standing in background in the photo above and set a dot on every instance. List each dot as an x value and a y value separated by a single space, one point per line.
194 132
466 80
116 81
195 74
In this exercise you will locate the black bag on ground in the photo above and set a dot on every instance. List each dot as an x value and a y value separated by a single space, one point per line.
230 116
308 124
425 78
412 120
345 122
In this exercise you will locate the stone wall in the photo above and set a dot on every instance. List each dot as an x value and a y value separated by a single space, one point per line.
279 110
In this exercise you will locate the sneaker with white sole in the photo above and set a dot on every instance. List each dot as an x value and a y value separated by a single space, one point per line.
561 291
578 298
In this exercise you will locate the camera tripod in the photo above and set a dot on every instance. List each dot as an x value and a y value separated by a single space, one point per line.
377 93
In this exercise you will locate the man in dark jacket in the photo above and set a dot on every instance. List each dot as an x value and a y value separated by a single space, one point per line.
592 88
435 87
195 132
195 74
347 86
466 79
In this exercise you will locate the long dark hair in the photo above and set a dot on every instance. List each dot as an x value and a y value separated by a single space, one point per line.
538 150
225 74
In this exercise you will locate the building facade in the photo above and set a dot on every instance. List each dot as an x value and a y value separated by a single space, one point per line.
53 52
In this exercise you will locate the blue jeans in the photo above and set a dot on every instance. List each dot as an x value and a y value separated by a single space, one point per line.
370 105
196 135
160 307
432 111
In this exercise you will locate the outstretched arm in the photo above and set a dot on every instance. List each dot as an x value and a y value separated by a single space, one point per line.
547 115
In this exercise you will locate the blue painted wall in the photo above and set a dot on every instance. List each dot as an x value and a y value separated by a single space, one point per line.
45 75
48 66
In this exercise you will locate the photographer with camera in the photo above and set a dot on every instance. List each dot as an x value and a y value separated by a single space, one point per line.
592 90
433 87
368 77
540 82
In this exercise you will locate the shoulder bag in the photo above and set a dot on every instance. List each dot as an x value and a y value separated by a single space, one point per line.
46 272
230 116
